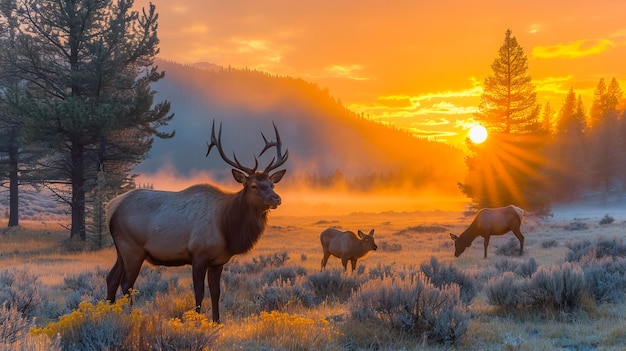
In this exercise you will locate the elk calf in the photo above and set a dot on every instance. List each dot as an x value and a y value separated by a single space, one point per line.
346 245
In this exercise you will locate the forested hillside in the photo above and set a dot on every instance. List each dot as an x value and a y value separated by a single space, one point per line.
327 143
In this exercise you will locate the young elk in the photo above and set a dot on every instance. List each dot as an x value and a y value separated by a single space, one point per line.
346 245
202 225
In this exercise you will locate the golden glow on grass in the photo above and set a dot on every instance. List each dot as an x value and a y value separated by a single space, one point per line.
478 134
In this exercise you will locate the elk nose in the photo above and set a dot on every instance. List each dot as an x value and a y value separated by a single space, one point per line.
275 200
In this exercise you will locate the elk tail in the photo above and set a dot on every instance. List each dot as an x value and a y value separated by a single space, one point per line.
520 213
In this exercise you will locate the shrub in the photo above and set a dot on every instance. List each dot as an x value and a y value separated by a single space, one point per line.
422 229
381 271
282 331
94 327
13 325
331 285
393 247
607 219
151 282
505 290
510 248
86 286
576 225
602 248
605 278
283 274
192 332
527 269
412 305
578 249
558 287
546 244
20 290
264 261
443 275
280 294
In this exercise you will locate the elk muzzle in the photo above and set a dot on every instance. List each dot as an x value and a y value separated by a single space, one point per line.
273 201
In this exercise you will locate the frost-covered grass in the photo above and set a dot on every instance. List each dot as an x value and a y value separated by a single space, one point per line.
565 292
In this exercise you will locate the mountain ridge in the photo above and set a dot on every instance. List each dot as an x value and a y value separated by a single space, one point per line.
324 138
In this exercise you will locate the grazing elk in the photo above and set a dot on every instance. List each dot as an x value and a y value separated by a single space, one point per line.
202 225
491 221
346 245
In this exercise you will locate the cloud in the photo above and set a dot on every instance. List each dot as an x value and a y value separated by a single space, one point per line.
398 101
465 124
195 29
447 108
346 71
435 122
534 28
431 134
476 90
579 48
559 85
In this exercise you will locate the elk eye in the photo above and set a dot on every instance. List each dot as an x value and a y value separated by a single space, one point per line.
253 186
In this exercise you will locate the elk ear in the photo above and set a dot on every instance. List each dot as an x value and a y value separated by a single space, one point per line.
276 177
239 176
361 234
454 237
371 232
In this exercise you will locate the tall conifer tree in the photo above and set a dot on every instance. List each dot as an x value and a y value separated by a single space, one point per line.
507 169
92 64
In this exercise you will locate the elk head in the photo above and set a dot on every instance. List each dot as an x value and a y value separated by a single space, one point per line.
259 184
459 245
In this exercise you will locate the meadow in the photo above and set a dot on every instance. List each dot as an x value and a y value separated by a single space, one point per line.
565 293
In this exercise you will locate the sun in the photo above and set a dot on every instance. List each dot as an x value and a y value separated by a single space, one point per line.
478 134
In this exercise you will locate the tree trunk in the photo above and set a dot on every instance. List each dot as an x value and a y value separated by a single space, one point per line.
78 191
13 188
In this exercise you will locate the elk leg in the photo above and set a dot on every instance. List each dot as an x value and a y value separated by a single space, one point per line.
325 259
215 273
114 279
199 271
520 237
130 274
353 264
344 263
486 242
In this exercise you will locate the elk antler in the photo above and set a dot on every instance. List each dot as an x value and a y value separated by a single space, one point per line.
279 156
218 143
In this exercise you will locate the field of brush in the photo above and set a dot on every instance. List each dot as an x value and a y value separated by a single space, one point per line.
565 293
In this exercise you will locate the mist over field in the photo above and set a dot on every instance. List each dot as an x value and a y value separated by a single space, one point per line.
330 148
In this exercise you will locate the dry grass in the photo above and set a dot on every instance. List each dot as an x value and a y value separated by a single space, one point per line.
39 249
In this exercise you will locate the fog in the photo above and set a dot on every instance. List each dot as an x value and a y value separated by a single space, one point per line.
338 160
301 201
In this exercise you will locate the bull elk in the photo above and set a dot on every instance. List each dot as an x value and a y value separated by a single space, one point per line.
202 225
491 221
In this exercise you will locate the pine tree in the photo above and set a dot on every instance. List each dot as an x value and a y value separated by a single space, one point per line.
605 139
92 64
547 121
509 102
507 169
567 151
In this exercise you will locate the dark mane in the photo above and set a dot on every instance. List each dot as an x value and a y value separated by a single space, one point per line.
241 224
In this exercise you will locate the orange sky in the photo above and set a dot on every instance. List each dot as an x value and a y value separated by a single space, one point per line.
417 64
